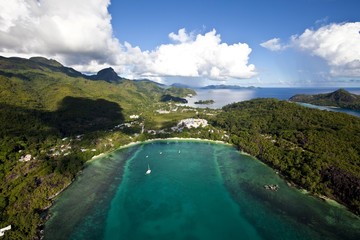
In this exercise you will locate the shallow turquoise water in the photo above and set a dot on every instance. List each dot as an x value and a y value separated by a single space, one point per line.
196 190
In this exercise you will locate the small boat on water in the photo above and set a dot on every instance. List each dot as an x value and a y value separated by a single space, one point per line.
148 170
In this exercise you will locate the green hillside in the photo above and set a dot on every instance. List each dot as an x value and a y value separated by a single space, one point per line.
340 98
60 118
317 150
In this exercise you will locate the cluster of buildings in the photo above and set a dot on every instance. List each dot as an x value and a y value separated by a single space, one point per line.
192 123
185 123
25 158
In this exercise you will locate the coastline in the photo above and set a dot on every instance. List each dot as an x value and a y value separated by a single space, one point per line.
95 157
161 139
134 143
131 144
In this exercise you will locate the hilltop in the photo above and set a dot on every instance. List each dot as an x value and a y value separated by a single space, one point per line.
340 98
54 118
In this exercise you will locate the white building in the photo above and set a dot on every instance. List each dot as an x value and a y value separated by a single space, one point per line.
160 111
192 123
25 158
134 116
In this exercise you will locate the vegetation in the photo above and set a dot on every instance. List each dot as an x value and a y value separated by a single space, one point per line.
340 98
318 150
168 98
107 74
205 102
60 118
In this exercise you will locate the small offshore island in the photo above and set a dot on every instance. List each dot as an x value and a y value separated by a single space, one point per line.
205 102
54 119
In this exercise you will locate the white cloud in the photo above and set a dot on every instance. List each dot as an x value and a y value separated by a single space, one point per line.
72 30
273 45
79 33
182 36
337 44
201 56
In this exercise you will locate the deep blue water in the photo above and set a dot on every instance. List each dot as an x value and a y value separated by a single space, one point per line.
223 97
196 190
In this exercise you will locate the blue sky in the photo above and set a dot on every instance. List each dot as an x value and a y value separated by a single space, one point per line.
302 43
147 23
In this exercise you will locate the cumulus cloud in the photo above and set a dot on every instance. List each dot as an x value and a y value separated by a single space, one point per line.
198 56
273 45
182 36
76 31
337 44
79 33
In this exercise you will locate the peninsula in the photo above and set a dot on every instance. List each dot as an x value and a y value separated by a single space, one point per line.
53 119
340 98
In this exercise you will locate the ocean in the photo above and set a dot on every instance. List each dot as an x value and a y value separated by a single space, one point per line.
223 97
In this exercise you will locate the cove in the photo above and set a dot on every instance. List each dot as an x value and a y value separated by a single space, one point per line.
196 190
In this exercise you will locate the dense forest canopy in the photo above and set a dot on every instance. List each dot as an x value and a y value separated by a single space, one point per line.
318 150
340 98
53 119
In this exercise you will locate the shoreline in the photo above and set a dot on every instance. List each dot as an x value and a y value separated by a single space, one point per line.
161 139
95 157
134 143
328 200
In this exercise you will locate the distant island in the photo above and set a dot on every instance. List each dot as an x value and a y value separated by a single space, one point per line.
222 86
205 101
53 119
340 98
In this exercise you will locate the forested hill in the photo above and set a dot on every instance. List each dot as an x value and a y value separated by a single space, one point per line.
340 98
40 83
318 150
53 119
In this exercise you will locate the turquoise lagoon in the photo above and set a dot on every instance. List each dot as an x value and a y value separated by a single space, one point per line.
196 190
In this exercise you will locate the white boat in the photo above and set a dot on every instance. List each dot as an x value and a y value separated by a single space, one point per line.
148 171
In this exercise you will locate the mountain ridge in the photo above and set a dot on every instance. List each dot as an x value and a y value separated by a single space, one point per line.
223 86
339 98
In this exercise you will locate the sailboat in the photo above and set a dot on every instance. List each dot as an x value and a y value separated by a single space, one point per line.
148 171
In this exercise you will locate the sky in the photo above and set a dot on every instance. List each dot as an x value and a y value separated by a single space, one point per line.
263 43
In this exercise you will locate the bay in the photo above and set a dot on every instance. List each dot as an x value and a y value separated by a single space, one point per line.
196 190
223 97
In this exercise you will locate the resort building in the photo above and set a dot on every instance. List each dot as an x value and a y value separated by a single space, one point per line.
192 123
